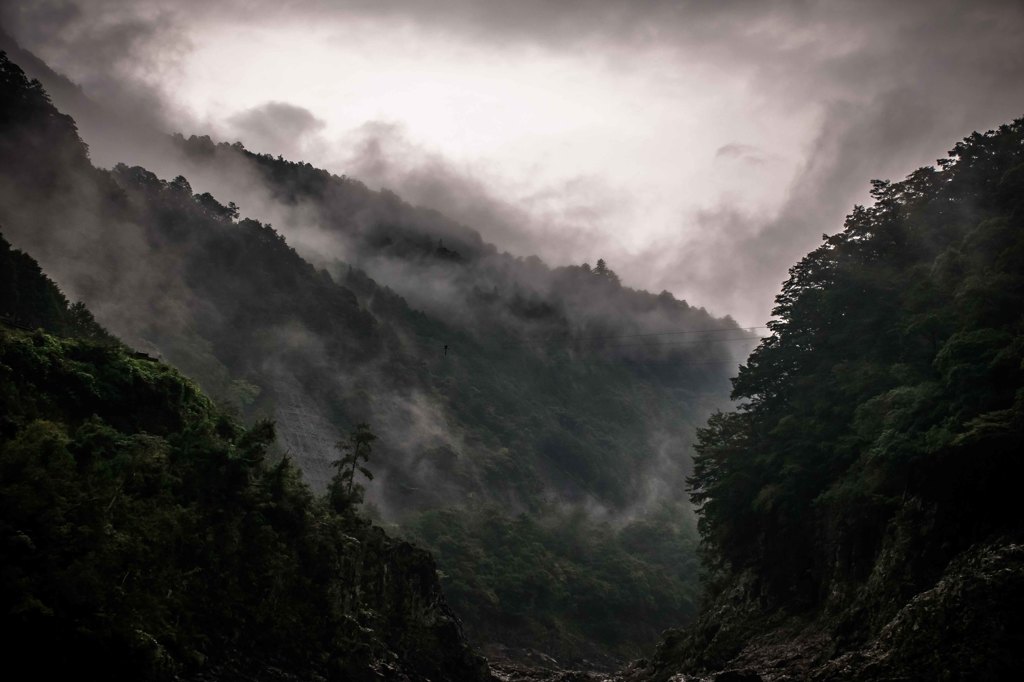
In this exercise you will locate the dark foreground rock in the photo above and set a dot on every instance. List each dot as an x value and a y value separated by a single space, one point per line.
511 672
968 625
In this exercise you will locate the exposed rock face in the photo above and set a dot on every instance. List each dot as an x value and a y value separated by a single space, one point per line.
398 584
967 625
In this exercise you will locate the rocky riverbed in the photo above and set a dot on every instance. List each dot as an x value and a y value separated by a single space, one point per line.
511 672
968 625
516 673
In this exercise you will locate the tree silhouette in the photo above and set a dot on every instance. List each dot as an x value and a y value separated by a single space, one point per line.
344 492
602 270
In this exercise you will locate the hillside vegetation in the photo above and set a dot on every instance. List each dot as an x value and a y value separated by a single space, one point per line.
495 384
147 535
859 511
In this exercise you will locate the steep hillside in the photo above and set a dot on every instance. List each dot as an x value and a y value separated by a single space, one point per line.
496 383
859 511
525 342
148 536
107 127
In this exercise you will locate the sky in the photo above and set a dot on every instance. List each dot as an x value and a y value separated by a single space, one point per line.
699 147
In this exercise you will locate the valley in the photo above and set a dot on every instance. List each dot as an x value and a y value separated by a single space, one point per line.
262 421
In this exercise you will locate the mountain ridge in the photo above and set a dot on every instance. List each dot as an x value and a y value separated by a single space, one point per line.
534 406
856 510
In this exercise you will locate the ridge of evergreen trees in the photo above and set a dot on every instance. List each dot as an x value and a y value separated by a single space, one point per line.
888 400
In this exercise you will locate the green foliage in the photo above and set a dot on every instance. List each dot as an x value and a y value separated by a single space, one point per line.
147 536
564 580
892 380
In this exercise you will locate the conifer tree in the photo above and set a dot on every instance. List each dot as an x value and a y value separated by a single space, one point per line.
344 493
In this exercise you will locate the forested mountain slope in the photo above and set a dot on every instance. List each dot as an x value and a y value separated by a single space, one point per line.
860 510
558 395
147 535
598 346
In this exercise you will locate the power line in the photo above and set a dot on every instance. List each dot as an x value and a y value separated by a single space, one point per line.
563 335
640 341
603 363
667 344
596 351
671 333
655 363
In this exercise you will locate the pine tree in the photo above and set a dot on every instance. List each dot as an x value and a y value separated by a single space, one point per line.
344 493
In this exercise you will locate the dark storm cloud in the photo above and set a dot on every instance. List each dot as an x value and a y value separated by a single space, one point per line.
540 21
789 30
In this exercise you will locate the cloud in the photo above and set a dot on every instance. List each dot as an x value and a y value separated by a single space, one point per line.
123 54
558 222
746 153
276 128
536 21
883 88
885 137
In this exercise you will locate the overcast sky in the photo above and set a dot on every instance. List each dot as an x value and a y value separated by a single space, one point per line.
700 147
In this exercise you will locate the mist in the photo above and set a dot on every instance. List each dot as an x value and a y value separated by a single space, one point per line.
748 132
717 230
530 246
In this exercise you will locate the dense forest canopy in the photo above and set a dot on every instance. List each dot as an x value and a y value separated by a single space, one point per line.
876 451
147 534
893 369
